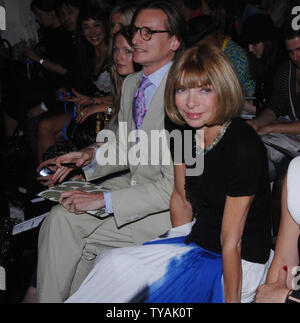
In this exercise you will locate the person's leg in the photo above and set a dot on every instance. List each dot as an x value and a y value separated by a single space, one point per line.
10 124
48 129
68 245
105 237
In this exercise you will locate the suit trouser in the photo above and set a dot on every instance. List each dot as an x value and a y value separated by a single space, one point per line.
68 245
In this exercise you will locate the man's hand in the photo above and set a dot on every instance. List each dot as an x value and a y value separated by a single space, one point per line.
79 202
80 159
273 293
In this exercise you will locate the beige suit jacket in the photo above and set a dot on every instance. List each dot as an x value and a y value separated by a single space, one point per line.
141 197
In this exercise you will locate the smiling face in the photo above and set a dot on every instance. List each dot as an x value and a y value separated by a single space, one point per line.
197 106
203 88
160 49
93 31
123 56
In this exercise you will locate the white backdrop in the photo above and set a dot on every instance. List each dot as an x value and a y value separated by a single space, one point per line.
20 21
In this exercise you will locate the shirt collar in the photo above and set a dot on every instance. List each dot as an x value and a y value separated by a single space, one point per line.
158 75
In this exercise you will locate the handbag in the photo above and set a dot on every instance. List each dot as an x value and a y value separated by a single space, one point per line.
84 134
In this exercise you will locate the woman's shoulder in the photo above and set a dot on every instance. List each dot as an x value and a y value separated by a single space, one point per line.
242 134
234 49
245 145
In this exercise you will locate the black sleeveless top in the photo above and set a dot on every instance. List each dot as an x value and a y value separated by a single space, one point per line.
236 166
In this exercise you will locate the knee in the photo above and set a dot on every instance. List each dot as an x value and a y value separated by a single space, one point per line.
45 127
57 219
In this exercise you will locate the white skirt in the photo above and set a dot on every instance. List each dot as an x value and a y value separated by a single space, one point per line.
127 274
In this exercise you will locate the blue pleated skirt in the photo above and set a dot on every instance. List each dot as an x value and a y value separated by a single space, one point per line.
194 277
165 270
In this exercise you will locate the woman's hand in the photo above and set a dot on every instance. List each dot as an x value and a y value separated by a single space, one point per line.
80 100
86 112
275 292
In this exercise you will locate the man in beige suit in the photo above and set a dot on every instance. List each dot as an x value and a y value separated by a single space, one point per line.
138 201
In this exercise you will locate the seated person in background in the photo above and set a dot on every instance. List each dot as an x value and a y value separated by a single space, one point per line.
203 30
190 8
282 112
263 42
121 16
138 201
122 65
51 61
237 12
56 50
224 255
89 75
68 11
286 92
283 276
55 36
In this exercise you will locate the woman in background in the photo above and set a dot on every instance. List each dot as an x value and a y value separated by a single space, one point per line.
121 16
90 74
262 40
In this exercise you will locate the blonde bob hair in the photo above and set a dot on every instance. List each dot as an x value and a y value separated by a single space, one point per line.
205 65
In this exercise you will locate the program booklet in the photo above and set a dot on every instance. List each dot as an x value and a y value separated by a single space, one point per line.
54 192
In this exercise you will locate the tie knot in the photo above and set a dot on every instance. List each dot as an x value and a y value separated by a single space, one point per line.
145 83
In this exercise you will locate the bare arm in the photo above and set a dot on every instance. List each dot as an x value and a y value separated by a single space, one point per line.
286 256
181 209
47 64
234 219
286 252
267 117
281 127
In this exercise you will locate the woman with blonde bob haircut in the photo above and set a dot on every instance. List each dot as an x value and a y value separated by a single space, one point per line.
219 248
206 66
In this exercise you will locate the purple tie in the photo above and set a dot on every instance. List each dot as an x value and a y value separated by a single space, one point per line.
139 105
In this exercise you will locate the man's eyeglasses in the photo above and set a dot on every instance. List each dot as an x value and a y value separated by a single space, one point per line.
145 32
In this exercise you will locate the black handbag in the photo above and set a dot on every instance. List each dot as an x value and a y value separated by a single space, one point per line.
84 134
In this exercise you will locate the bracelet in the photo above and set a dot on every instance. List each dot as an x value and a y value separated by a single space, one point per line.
42 61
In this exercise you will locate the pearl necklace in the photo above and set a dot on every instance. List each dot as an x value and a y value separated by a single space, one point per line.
202 151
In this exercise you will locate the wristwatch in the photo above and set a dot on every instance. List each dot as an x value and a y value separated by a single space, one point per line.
109 109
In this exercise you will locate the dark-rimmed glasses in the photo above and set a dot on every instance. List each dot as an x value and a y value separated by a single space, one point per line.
145 32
